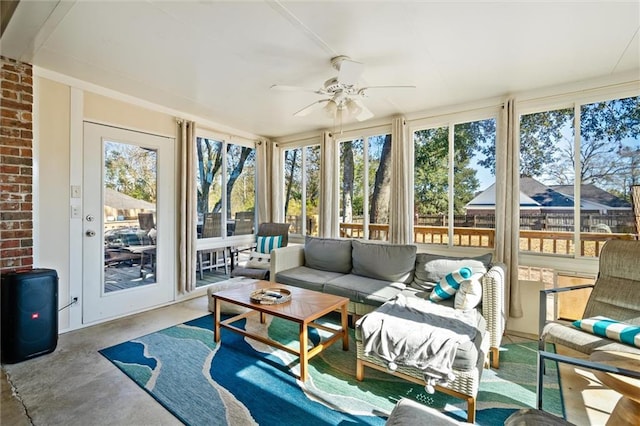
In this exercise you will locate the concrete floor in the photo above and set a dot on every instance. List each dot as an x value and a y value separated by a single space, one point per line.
75 385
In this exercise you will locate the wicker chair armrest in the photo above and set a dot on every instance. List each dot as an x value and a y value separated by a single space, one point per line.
493 283
284 258
542 314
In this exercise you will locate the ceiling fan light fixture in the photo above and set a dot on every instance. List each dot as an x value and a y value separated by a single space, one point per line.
331 108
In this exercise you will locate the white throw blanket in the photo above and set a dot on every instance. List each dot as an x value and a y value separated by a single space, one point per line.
418 333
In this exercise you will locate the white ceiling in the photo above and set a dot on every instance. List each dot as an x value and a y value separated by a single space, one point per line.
218 59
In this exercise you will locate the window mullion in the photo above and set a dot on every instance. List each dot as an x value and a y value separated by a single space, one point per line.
450 179
577 181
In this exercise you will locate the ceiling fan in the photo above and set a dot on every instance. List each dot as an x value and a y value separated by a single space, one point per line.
342 93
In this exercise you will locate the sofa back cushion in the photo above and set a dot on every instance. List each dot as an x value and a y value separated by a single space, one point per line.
328 254
387 262
431 268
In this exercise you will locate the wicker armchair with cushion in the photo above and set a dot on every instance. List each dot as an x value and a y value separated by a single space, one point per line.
615 296
259 263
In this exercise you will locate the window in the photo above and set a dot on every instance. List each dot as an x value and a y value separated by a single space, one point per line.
235 194
365 187
454 184
575 189
302 189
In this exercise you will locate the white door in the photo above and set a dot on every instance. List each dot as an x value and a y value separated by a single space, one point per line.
128 252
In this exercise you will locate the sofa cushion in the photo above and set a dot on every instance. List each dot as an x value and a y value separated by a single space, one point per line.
431 268
387 262
304 277
363 289
328 254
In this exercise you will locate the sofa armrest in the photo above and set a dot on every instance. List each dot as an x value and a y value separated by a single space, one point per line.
284 258
493 283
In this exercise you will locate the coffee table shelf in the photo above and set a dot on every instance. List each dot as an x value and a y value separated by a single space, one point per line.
304 308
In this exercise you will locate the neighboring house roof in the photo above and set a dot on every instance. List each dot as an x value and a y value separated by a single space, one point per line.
536 195
594 194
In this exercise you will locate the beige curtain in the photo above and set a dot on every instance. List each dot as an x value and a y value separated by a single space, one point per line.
327 225
265 166
400 216
507 208
188 206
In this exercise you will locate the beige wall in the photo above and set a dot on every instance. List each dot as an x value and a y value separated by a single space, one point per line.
111 111
51 179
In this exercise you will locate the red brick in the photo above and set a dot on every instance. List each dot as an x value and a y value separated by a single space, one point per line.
26 207
7 206
7 122
9 187
9 94
11 76
26 152
20 142
10 113
9 244
9 169
27 134
9 132
23 106
9 150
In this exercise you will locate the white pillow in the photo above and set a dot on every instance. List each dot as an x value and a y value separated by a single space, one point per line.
469 294
258 260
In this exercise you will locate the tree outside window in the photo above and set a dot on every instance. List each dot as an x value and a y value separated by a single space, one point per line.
302 189
444 211
365 187
236 191
599 174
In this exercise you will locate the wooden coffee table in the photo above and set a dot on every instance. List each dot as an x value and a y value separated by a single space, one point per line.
627 410
304 308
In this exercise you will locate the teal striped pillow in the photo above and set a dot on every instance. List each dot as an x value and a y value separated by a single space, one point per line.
266 244
615 330
448 286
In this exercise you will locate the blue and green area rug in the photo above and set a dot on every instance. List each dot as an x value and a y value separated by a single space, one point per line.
242 382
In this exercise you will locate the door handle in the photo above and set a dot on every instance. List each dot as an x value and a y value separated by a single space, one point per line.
90 233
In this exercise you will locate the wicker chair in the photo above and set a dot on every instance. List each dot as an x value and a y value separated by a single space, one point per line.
266 229
466 383
615 294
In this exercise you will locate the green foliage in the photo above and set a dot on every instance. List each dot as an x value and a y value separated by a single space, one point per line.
131 170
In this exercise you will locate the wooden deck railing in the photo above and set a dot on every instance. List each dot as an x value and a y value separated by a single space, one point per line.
552 242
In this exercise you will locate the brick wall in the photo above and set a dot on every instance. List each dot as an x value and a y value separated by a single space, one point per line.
16 165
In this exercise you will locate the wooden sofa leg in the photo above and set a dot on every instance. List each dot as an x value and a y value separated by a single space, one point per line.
495 358
471 410
359 370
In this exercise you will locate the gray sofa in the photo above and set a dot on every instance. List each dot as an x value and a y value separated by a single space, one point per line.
370 273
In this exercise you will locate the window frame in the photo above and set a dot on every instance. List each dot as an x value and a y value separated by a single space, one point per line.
450 120
346 136
224 240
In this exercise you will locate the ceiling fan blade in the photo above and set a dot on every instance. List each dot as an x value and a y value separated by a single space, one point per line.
363 90
350 72
285 88
309 108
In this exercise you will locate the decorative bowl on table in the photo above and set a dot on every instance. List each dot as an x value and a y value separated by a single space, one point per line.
270 296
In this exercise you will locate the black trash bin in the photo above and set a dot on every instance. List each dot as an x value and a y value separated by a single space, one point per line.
29 302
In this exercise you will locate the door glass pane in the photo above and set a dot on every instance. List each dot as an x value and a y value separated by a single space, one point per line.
130 234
